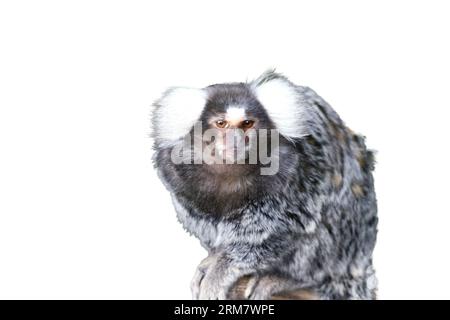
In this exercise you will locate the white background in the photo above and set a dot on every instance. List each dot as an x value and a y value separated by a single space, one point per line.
82 213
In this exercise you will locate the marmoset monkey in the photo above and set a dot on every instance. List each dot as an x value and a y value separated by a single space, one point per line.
274 185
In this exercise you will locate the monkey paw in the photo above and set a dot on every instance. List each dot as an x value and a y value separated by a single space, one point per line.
266 287
260 288
212 288
200 274
214 278
217 280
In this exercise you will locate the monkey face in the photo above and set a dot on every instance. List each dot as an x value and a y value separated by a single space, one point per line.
228 121
221 121
231 121
233 133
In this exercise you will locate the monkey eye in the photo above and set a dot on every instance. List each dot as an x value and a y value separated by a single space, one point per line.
221 124
247 124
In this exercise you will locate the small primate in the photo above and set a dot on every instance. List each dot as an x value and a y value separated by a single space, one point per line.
301 216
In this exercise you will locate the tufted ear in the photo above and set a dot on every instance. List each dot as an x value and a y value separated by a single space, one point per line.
283 102
176 112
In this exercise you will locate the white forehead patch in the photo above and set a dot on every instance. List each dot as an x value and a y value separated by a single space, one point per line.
235 113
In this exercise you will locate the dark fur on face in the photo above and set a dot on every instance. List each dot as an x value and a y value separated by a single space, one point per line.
221 96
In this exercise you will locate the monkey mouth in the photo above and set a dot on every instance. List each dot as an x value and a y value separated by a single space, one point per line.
234 154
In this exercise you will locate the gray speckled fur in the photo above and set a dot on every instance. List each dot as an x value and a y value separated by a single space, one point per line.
314 223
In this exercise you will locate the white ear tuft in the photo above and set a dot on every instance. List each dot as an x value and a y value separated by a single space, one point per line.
176 112
283 102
